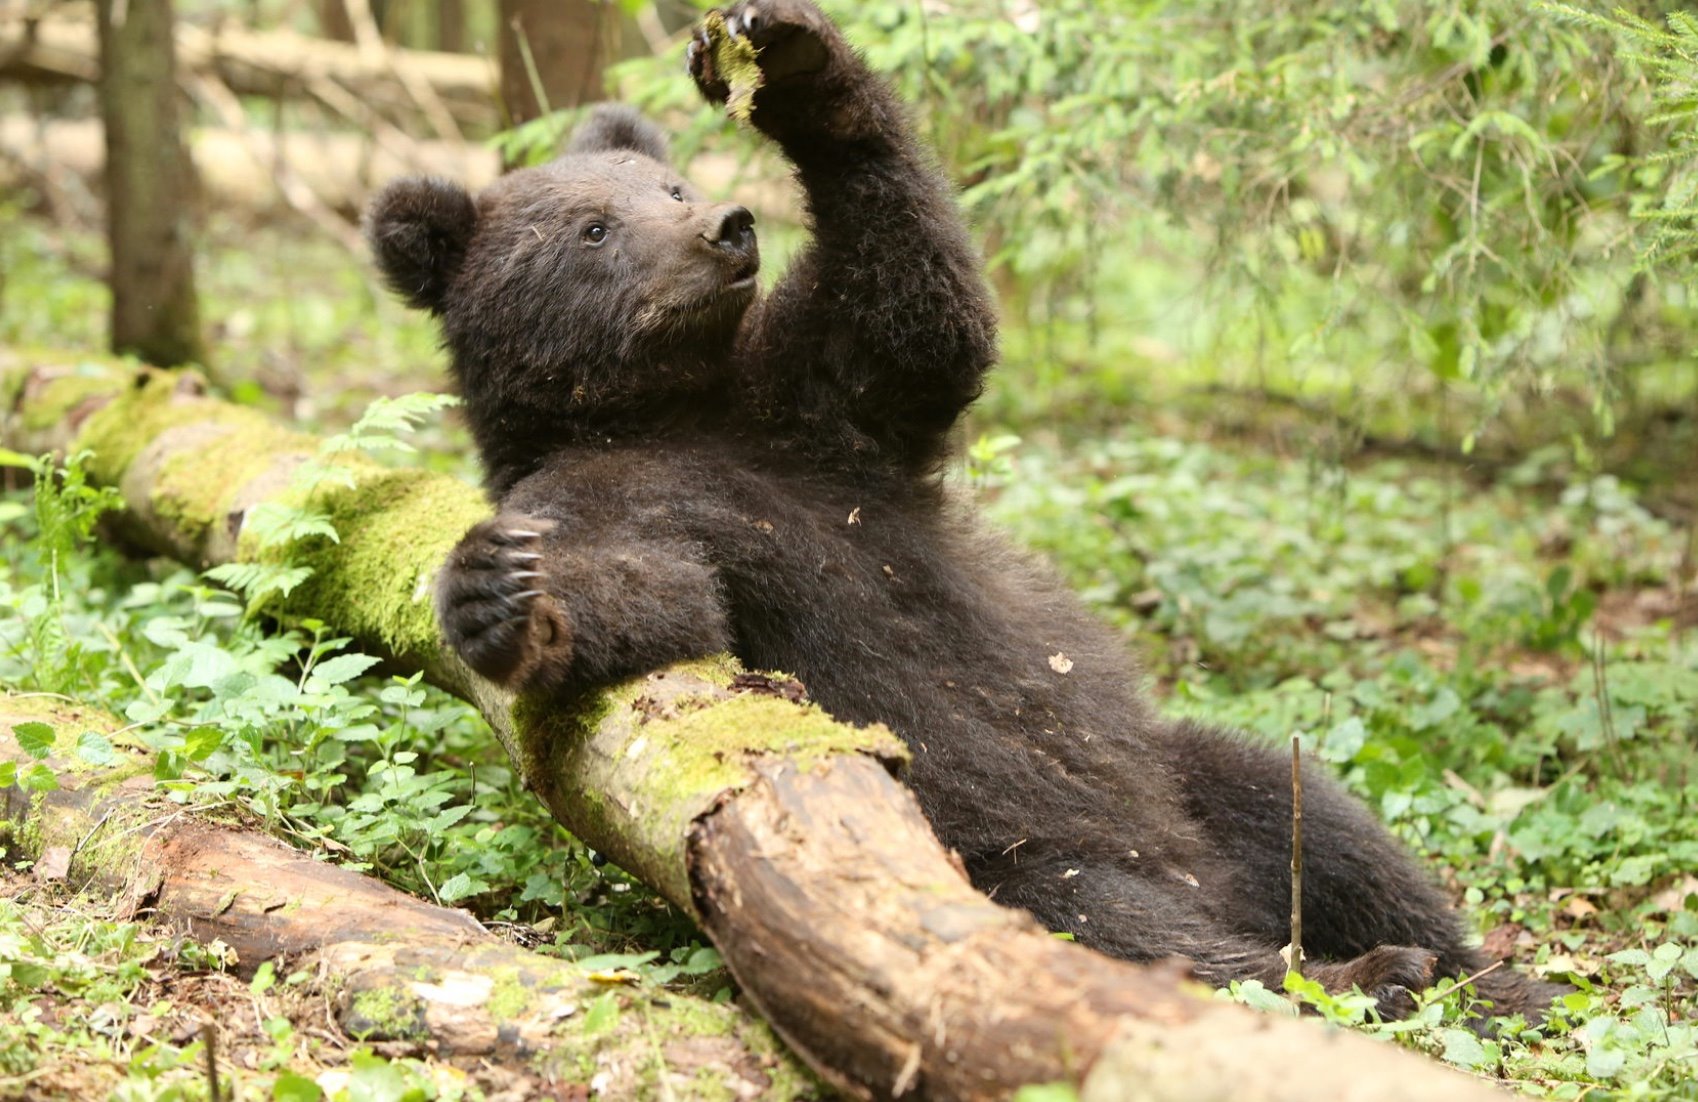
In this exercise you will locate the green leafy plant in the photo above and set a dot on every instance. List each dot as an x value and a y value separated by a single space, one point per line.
66 509
277 524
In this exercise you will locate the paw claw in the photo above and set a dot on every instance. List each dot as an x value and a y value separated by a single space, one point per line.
489 601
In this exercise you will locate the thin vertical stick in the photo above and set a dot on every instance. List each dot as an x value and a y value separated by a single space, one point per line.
1296 963
209 1037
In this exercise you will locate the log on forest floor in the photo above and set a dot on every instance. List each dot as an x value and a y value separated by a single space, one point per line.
239 168
782 832
61 47
423 978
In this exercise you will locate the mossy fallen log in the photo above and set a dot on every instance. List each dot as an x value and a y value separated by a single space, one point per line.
396 969
782 833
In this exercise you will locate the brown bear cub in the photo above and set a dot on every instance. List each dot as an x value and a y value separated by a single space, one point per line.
685 466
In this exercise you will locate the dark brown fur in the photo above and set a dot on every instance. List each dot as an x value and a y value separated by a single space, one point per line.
683 468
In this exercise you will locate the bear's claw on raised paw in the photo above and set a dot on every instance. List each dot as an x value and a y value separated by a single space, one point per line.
492 611
790 38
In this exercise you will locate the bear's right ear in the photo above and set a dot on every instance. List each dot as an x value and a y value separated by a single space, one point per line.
418 229
615 126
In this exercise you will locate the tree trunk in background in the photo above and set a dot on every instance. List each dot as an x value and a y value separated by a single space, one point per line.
569 43
149 186
451 26
336 24
333 21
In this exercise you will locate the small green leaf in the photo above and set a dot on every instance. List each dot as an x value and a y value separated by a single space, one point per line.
1046 1092
95 748
334 671
25 974
703 960
458 887
290 1087
1605 1062
447 818
146 711
1463 1049
40 779
1345 740
202 743
36 739
602 1015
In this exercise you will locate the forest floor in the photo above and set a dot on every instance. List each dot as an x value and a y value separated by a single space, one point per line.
1499 656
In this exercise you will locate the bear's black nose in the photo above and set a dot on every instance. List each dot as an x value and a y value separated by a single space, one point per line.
736 227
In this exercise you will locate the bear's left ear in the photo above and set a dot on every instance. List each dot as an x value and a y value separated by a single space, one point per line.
616 126
418 229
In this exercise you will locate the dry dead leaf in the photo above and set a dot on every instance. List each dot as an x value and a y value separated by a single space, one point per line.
54 863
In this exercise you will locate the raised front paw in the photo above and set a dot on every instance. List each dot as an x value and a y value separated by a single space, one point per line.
493 604
792 38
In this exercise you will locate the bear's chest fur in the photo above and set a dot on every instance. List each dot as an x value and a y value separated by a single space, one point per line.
892 607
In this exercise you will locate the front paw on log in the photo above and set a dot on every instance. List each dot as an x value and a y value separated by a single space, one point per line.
494 606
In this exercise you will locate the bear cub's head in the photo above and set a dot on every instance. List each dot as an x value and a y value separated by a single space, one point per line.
588 288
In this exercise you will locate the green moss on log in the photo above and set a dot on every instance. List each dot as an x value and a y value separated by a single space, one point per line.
60 396
193 495
395 528
510 995
385 1012
71 378
118 431
101 836
691 745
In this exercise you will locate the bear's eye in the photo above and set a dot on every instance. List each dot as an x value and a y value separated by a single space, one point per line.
678 194
595 233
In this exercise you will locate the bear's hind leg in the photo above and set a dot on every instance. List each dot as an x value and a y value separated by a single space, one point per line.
1150 915
1361 887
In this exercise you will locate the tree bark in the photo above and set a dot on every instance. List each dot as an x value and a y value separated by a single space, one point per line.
780 830
451 26
398 969
333 21
556 47
149 186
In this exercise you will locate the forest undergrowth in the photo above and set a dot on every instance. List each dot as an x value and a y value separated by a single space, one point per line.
1502 662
